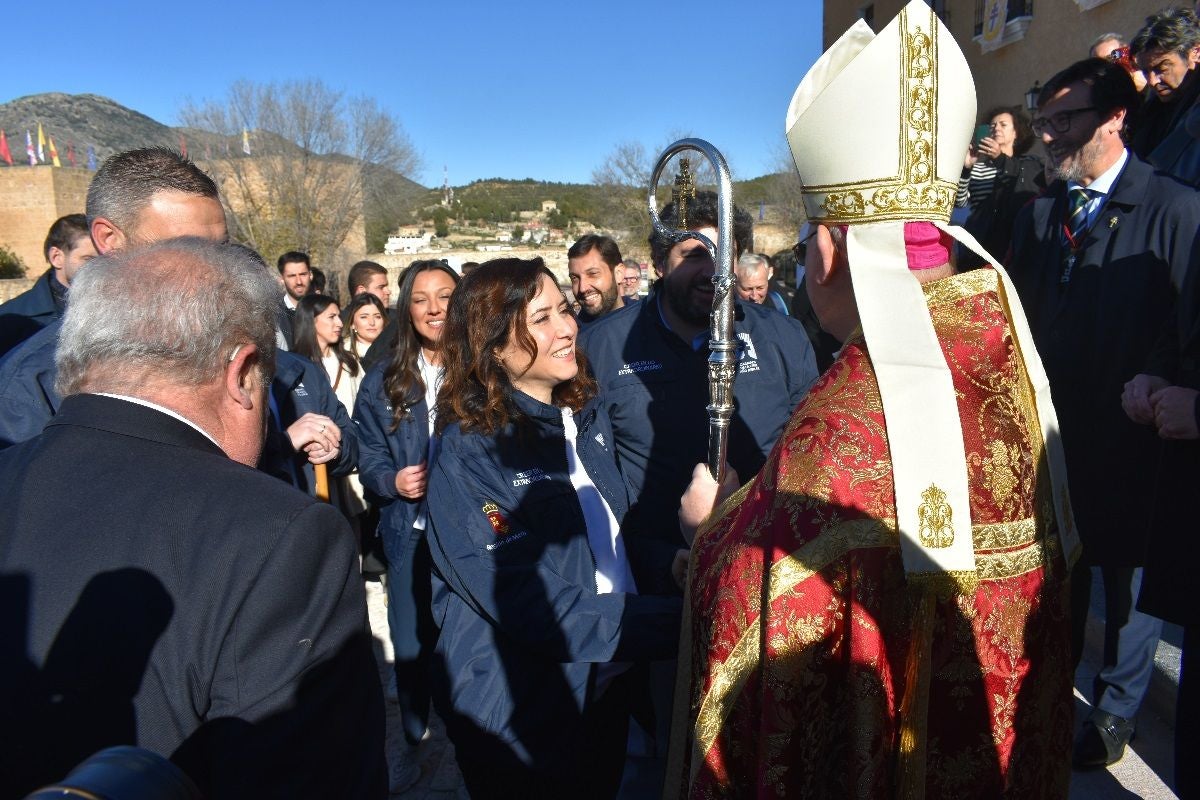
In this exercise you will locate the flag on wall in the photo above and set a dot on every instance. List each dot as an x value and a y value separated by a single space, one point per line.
182 146
5 153
54 154
245 141
91 157
71 153
29 151
41 148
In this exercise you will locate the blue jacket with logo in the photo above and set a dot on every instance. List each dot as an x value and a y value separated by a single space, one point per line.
514 590
383 452
654 387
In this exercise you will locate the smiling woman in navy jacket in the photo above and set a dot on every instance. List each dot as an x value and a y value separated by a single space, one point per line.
392 412
539 614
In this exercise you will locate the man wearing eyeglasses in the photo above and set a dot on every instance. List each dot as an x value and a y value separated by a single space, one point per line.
631 284
1097 261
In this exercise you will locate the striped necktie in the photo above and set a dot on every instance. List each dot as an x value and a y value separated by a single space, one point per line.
1074 229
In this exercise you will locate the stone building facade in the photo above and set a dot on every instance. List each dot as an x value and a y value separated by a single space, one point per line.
1039 37
31 198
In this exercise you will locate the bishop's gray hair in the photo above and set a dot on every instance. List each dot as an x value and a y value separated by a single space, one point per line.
173 312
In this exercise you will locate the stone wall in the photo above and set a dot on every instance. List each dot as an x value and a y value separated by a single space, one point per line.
31 199
12 287
1059 33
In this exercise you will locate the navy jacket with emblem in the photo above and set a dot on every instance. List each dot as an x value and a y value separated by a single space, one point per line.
383 452
514 590
654 387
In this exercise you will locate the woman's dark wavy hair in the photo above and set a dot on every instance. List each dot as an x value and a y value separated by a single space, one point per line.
486 313
1022 126
402 376
308 309
361 299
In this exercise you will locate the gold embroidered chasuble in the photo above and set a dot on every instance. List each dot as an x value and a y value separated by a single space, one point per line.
816 670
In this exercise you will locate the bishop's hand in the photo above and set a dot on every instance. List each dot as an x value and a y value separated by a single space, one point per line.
703 494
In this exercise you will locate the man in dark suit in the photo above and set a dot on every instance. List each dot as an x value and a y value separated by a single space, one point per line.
176 598
1097 261
68 247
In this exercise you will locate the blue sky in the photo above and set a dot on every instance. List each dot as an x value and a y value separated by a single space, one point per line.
528 89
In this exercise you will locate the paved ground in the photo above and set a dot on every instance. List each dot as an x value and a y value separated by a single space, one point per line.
1143 773
440 779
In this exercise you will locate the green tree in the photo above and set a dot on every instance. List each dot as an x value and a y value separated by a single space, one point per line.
11 265
441 222
518 232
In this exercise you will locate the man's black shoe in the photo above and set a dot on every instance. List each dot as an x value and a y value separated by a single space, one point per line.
1102 741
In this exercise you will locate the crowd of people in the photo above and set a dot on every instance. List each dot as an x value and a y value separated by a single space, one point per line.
204 457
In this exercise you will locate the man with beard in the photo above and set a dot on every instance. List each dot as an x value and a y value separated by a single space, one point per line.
651 363
295 271
597 274
1097 261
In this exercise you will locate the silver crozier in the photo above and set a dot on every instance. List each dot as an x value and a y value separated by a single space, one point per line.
723 346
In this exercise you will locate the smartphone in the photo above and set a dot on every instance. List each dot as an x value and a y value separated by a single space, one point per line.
981 133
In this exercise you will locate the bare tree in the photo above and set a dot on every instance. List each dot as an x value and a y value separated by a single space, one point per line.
786 191
318 165
625 174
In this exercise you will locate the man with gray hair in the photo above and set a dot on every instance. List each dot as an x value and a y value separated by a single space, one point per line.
192 605
754 273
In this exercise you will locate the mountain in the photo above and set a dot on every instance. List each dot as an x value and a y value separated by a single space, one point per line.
109 127
81 120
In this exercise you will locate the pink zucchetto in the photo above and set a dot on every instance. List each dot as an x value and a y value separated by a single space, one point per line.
926 245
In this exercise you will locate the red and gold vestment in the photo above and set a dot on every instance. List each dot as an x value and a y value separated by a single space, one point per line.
816 669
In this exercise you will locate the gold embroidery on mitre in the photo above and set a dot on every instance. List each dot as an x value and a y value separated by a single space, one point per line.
936 519
916 192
